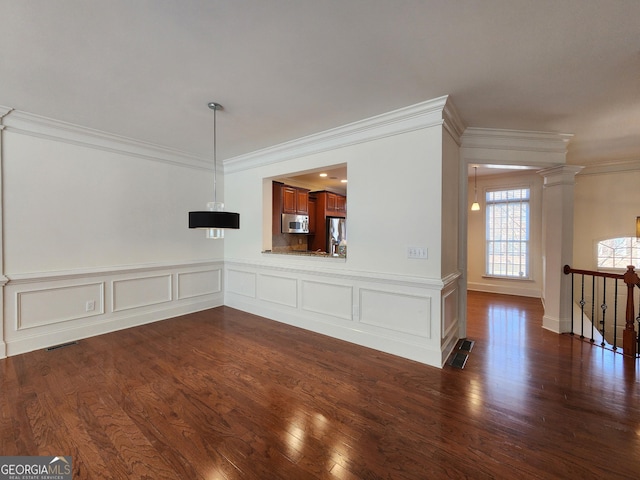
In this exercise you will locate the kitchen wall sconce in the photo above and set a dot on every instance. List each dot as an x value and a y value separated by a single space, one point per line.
475 206
214 220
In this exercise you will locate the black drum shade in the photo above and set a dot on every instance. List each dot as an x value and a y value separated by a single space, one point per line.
207 219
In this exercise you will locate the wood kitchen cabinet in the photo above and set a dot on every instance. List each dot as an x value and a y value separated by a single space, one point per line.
312 214
295 200
332 204
302 201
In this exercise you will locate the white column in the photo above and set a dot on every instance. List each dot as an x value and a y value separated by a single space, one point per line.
557 245
3 280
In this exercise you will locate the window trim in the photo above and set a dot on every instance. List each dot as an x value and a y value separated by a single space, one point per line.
529 241
613 269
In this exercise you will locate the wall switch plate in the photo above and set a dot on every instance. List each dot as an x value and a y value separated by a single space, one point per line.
90 306
417 252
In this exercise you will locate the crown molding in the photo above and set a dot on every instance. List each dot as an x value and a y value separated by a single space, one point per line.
24 123
516 140
438 111
490 145
4 110
611 166
453 122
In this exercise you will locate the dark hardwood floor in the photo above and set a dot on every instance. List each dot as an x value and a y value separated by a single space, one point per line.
226 395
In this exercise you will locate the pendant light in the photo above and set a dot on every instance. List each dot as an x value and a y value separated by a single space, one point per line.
475 206
214 220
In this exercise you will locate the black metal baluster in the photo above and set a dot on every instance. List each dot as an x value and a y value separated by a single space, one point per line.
604 308
572 300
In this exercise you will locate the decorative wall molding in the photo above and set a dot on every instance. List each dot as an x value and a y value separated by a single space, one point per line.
199 283
241 282
379 308
614 166
320 269
316 293
390 315
277 289
138 292
34 277
61 305
30 124
42 310
438 111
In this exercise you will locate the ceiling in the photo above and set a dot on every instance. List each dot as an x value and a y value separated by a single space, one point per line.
333 179
283 69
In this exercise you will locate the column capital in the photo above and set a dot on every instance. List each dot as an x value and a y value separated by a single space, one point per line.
560 175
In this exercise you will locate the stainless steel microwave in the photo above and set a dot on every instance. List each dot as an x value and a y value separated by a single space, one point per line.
295 223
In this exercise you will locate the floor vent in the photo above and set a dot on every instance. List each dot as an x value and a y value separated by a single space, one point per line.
62 345
466 345
459 360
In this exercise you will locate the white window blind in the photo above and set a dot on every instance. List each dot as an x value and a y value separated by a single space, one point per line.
507 233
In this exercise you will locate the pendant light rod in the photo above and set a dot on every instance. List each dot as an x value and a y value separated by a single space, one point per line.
475 205
215 107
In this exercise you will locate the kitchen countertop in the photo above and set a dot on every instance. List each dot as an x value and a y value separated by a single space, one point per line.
303 253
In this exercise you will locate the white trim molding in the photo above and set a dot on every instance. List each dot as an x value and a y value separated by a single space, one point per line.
24 123
514 147
438 111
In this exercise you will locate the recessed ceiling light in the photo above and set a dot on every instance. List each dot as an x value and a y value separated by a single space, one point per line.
323 174
344 180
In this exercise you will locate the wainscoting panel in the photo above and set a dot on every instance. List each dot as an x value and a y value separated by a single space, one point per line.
278 289
241 283
141 292
195 284
46 309
394 314
59 304
449 312
410 314
328 299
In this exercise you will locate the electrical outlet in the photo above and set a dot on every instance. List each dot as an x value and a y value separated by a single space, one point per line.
90 306
417 252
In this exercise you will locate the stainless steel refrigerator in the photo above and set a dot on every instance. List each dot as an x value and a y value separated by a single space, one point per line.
336 233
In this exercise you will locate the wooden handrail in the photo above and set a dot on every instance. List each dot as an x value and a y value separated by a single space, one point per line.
630 277
619 276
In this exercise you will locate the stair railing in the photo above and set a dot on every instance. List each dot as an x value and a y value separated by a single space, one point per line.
630 339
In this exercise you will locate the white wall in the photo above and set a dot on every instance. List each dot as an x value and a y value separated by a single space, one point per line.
607 200
377 297
476 279
90 217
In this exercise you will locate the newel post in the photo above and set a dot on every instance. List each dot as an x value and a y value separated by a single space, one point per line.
629 334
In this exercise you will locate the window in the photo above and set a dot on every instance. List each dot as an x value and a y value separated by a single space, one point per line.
507 233
619 252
